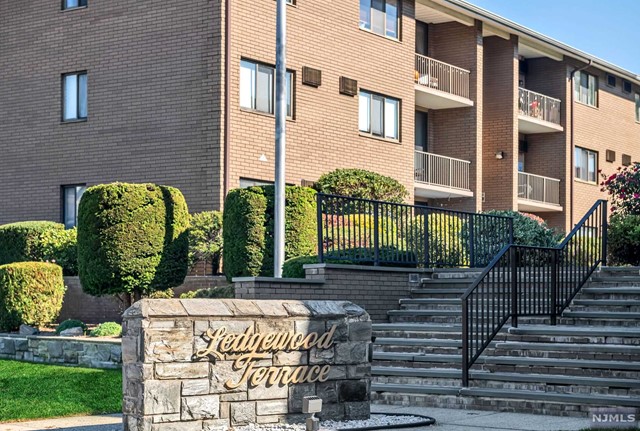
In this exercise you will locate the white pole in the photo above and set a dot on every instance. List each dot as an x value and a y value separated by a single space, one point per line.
281 118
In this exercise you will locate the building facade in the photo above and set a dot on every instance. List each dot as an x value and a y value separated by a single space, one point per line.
464 108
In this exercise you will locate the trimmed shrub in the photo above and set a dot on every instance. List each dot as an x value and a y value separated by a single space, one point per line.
71 323
161 294
107 329
30 293
624 240
213 293
447 244
39 241
248 229
360 183
205 238
293 268
132 239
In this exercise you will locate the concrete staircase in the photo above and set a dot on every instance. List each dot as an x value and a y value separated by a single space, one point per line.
590 359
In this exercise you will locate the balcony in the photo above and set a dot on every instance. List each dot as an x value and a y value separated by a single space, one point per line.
438 176
538 113
440 85
538 194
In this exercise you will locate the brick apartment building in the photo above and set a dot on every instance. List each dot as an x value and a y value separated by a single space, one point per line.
463 107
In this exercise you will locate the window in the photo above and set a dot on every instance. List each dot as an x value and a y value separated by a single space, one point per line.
73 4
626 86
379 115
74 96
638 107
70 200
611 80
586 88
381 17
586 164
257 88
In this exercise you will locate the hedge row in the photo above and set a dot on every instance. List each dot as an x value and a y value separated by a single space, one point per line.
248 229
39 241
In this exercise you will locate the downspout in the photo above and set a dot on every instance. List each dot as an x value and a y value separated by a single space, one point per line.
573 146
227 92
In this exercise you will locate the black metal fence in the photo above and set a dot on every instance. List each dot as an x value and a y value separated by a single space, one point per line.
384 233
531 281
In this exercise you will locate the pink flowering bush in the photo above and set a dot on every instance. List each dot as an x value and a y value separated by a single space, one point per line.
623 187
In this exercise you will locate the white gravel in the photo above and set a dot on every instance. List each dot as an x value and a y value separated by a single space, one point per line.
376 420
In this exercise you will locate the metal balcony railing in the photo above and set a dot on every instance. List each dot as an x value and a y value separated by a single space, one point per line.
538 188
539 106
442 171
441 76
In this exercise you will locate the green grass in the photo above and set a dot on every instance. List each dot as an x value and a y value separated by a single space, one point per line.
36 391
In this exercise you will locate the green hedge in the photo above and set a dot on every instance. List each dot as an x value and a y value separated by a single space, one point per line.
624 240
248 229
107 329
132 239
360 183
205 239
30 293
39 241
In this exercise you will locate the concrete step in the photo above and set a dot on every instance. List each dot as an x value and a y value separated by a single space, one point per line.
606 303
573 331
414 389
615 279
437 292
569 347
575 399
417 342
431 301
610 289
594 315
420 357
586 367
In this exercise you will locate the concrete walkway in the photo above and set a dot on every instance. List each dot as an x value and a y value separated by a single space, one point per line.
447 420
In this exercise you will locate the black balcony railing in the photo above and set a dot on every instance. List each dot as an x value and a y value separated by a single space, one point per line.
384 233
530 281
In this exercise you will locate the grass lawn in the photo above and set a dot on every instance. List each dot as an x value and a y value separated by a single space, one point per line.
36 391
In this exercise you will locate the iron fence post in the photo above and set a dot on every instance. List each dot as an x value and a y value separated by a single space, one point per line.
376 235
554 286
465 344
605 233
319 222
511 231
472 242
425 229
514 287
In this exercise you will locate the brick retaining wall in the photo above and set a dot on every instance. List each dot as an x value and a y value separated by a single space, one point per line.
376 289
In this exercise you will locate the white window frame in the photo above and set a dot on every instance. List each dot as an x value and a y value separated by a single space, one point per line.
70 215
366 22
586 88
366 107
75 96
249 90
581 170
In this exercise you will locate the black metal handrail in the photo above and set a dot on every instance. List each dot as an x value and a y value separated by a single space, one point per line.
531 281
374 232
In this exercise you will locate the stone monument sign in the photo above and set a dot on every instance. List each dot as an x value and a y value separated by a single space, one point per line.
209 364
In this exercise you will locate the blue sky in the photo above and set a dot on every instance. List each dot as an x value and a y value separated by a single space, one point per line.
609 29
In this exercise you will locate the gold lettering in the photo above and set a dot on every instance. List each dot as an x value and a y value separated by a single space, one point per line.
259 376
245 376
326 340
311 340
324 373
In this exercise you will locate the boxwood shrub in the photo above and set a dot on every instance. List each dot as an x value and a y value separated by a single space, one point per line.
248 229
624 240
30 293
360 183
107 329
132 239
39 241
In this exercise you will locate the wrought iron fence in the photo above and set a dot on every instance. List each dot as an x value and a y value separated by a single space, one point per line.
530 281
385 233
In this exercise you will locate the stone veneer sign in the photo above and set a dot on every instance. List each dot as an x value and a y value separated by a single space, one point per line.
209 364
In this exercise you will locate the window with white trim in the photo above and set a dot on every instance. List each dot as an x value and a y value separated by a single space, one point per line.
257 87
71 196
586 164
74 96
586 88
379 115
381 17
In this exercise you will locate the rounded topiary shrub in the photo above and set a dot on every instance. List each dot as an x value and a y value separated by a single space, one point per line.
30 293
624 240
71 323
360 183
294 268
132 239
107 329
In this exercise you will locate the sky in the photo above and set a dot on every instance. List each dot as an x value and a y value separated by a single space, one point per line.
608 29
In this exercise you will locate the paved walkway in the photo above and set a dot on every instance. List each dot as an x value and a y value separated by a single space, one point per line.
448 420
